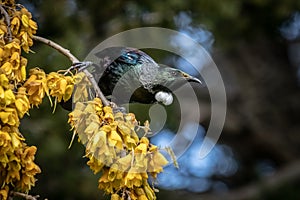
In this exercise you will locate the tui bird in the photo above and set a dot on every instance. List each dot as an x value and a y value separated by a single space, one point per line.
130 75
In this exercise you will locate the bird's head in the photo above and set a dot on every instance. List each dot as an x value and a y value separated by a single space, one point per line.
169 79
174 78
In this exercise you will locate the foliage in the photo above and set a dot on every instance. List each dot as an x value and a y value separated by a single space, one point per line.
112 144
17 167
114 149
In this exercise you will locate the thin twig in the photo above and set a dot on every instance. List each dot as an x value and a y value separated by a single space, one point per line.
7 21
23 195
57 47
73 59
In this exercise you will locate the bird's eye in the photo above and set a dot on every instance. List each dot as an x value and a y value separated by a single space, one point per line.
132 56
128 56
174 73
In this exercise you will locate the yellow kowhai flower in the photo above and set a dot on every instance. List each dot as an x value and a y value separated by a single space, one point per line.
4 82
26 41
104 182
97 144
133 178
8 2
114 149
115 197
143 146
36 86
7 97
22 102
17 169
15 25
13 64
13 169
60 86
9 116
27 20
17 139
18 162
23 28
7 67
124 163
128 134
139 191
149 191
29 168
10 48
156 163
142 197
4 192
5 144
28 154
114 173
108 114
13 46
95 164
20 73
83 88
1 50
115 140
15 60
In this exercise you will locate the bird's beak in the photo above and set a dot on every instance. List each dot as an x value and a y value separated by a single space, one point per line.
190 78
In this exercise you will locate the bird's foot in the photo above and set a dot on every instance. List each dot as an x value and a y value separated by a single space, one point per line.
79 66
117 108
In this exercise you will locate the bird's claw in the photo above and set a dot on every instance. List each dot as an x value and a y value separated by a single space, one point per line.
80 65
117 108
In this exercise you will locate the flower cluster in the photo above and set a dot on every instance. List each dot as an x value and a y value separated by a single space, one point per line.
18 94
17 167
12 40
113 145
23 28
60 86
114 149
54 84
17 160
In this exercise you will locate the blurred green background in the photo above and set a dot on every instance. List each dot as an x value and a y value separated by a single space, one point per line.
257 65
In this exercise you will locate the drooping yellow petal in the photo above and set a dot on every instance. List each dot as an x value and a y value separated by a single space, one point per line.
9 97
33 24
7 67
68 93
4 82
115 197
25 20
4 192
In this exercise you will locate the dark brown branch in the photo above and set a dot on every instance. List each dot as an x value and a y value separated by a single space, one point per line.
7 21
73 59
57 47
23 195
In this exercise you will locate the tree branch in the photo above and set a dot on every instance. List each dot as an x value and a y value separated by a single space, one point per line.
7 21
73 59
23 195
